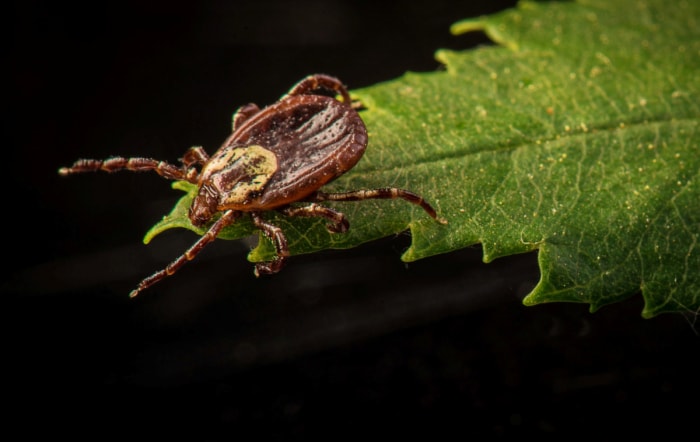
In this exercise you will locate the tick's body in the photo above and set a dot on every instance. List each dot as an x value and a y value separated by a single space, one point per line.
276 156
313 138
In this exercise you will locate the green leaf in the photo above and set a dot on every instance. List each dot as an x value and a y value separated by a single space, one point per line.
578 136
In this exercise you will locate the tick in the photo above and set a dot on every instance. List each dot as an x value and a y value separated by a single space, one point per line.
275 157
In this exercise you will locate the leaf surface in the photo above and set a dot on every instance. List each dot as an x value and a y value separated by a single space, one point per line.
576 136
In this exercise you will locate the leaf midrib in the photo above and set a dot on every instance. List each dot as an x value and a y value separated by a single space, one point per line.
460 154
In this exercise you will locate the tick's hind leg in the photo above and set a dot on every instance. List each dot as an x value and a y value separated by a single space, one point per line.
226 219
317 82
163 169
274 234
338 222
385 193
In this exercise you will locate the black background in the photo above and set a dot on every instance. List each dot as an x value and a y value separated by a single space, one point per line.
341 344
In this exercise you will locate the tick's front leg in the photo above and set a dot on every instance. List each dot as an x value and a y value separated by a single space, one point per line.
226 219
115 164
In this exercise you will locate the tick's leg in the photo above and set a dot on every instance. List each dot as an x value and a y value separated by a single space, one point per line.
386 193
226 219
163 169
274 234
194 155
338 222
313 83
243 113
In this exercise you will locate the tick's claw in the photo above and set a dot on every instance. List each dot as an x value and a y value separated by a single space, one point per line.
269 267
340 227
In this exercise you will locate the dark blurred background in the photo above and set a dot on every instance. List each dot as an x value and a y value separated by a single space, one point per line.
341 344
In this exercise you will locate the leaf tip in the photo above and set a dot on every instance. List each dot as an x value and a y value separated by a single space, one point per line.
183 185
155 230
529 302
469 25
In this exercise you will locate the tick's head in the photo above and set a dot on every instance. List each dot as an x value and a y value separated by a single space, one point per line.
203 206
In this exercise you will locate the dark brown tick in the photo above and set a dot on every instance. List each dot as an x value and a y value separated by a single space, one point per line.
276 156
